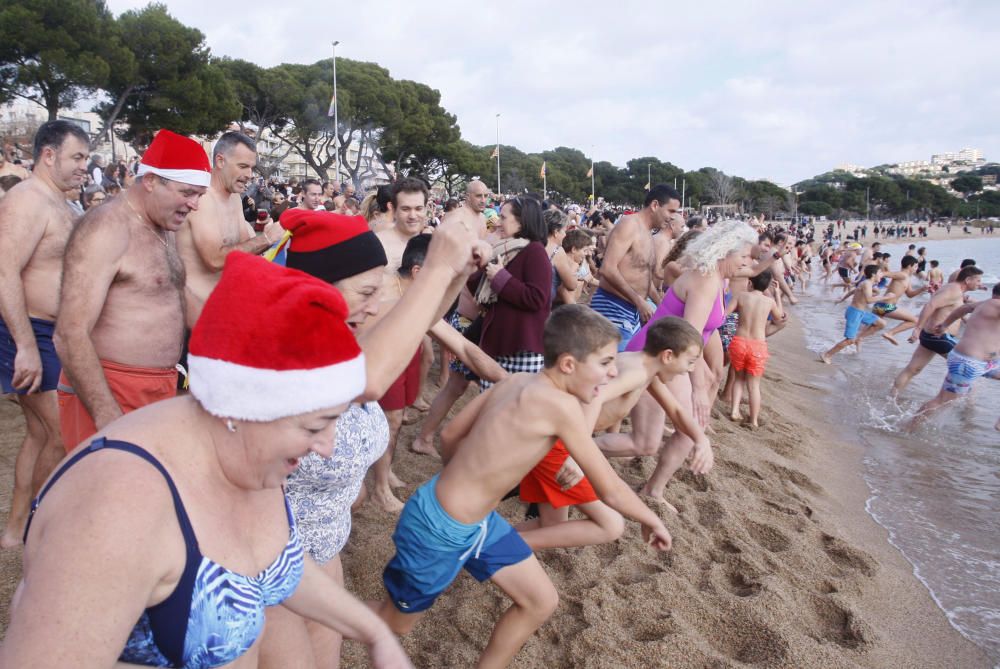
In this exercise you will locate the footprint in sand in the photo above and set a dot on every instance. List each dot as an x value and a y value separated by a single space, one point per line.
797 478
640 573
710 512
840 625
847 556
768 536
742 584
653 630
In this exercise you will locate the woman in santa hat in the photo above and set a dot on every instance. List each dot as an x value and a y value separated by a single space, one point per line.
163 540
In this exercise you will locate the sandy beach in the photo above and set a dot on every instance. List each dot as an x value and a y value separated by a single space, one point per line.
934 233
775 561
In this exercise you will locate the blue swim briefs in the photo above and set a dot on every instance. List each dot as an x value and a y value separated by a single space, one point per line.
46 349
432 547
622 314
855 319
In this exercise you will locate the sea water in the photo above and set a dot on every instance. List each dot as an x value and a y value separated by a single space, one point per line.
936 490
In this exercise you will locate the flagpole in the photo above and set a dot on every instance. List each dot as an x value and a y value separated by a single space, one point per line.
684 183
545 184
498 155
649 176
593 192
336 126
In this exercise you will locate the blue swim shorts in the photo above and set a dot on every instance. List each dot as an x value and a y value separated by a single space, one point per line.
855 319
46 349
432 547
622 314
964 370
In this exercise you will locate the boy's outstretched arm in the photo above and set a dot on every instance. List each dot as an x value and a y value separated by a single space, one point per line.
471 355
567 415
702 457
456 429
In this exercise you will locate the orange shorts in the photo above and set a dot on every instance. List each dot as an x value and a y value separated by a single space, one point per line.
132 388
539 485
748 355
403 391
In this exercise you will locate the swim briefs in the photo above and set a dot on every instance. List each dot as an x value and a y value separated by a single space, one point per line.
940 344
748 355
622 314
855 319
728 329
404 390
963 370
844 273
883 308
46 350
132 387
540 485
432 547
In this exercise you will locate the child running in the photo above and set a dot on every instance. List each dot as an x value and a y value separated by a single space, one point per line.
451 522
556 483
857 313
748 349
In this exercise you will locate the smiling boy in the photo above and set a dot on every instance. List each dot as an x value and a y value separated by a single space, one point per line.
451 522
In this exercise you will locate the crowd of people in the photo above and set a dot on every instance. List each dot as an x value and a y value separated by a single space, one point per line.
221 366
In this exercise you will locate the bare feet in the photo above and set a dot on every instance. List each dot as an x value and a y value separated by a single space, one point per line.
386 500
395 481
825 359
657 499
891 339
13 540
421 405
423 446
410 416
735 417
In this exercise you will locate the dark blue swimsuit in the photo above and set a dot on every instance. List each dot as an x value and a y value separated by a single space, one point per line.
213 615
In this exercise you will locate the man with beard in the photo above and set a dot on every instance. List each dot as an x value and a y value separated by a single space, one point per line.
35 223
121 318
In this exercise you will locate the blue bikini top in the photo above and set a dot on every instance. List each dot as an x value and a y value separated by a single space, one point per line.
214 615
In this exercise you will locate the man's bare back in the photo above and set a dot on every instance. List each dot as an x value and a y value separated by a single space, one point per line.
754 307
130 279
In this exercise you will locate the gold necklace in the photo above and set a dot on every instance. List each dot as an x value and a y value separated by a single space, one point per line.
143 223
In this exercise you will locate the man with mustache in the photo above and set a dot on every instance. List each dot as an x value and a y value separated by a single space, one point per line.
218 226
121 318
35 222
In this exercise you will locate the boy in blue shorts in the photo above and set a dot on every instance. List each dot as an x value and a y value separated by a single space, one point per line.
451 522
857 313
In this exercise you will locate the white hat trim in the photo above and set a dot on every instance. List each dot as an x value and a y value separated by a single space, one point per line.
191 177
230 390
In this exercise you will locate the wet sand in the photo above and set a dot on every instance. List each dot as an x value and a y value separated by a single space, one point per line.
775 562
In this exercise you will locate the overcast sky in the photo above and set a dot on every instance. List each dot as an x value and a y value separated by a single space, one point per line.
774 89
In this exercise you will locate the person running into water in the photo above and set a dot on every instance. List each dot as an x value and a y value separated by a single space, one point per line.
857 313
748 349
950 297
451 523
899 285
977 353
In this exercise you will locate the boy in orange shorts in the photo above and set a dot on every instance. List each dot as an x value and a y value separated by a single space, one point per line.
748 349
556 483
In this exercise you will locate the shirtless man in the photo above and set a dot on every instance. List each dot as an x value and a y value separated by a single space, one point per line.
950 297
899 286
35 223
626 279
459 376
409 201
977 353
218 226
311 197
848 263
121 319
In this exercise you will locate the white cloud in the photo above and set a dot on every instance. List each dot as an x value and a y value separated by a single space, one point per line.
779 89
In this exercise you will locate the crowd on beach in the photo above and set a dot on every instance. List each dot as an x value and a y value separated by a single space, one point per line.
214 371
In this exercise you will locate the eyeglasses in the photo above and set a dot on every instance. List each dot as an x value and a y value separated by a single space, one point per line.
98 199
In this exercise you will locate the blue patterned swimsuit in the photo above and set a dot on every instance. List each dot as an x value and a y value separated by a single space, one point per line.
213 615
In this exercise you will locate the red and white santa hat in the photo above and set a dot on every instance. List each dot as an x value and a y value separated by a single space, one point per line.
272 342
177 158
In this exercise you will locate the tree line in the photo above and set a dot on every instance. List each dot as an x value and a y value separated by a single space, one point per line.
151 71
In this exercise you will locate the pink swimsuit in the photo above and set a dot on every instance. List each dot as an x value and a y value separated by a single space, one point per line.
673 306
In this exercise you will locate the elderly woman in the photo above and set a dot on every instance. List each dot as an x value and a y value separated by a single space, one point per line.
696 296
515 289
343 251
163 541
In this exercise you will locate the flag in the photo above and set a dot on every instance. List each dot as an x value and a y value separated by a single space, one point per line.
277 247
333 106
590 172
646 187
542 173
590 197
496 153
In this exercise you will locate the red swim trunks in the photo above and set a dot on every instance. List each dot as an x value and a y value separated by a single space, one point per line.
539 485
403 392
132 387
748 355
